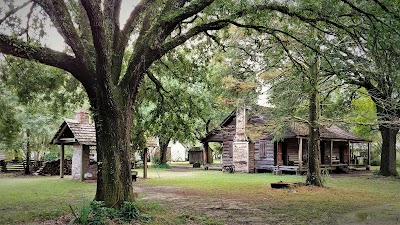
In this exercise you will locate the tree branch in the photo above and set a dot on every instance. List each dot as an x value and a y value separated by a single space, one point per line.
13 11
176 41
58 12
13 46
101 44
111 18
383 6
155 81
133 19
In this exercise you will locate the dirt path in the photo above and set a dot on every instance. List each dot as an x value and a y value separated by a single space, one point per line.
239 210
227 211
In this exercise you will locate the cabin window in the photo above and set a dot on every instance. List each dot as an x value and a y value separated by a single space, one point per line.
263 149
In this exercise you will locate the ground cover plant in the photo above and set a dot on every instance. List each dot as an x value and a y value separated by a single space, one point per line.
187 196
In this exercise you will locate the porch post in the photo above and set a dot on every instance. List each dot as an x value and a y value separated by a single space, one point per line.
300 153
331 153
369 157
62 161
82 164
348 144
205 153
280 159
145 163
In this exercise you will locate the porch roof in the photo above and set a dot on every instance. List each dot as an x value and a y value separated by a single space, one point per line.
332 132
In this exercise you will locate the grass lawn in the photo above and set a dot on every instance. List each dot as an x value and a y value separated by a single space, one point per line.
24 200
346 200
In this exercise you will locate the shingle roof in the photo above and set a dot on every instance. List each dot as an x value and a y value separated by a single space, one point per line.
326 132
84 134
296 129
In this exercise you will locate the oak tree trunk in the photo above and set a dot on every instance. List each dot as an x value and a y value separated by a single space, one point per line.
163 142
388 155
113 117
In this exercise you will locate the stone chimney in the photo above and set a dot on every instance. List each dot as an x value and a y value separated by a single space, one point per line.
82 116
240 132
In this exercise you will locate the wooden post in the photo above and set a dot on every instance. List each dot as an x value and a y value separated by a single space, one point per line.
62 161
300 153
205 153
82 164
145 164
369 157
209 154
331 153
280 159
349 150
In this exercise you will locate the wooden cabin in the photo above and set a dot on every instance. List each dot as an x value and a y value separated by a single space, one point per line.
249 148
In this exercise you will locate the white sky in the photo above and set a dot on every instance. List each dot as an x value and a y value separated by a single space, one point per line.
53 39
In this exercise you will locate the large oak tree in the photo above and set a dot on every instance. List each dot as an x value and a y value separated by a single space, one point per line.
97 44
95 57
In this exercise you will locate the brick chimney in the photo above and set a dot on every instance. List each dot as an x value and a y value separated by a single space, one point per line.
82 116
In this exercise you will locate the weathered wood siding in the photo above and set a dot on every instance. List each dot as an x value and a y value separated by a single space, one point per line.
292 151
251 157
228 136
264 154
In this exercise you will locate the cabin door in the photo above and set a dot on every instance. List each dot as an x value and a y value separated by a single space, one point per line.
284 153
342 153
323 153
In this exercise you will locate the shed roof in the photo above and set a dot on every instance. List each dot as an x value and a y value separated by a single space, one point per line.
71 131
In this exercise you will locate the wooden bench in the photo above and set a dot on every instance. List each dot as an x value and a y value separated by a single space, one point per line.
15 167
134 175
293 159
213 167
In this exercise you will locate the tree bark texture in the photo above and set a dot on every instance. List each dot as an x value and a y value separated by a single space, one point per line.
163 142
114 182
387 117
314 173
388 155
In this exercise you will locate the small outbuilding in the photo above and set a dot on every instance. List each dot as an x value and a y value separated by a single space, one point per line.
195 155
81 134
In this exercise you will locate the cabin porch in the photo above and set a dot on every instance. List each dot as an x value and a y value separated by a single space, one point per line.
292 154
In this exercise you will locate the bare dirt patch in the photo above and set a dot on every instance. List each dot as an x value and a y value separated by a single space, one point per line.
184 202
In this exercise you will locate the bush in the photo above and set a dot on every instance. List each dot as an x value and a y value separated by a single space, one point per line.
156 160
375 162
97 213
162 166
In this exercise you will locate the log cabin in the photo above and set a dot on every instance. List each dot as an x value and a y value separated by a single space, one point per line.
249 148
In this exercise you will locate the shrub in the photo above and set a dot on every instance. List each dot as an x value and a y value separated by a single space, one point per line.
375 162
162 166
97 213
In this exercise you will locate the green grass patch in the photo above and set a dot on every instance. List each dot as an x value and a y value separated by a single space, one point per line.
345 200
26 199
302 205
